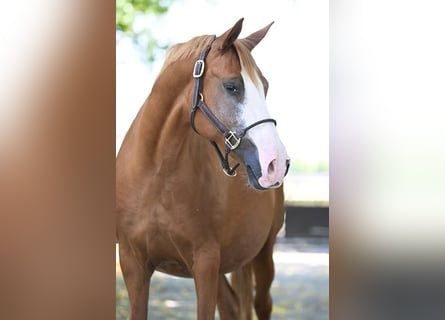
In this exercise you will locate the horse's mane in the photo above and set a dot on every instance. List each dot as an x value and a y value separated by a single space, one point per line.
183 51
193 47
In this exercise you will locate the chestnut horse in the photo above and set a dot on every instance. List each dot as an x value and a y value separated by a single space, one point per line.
177 211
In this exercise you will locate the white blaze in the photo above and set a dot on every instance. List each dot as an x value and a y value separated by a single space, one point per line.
271 151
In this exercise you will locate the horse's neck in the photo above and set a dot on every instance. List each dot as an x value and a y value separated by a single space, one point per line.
164 132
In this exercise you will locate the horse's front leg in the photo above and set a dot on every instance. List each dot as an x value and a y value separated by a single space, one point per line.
228 302
206 263
264 270
137 277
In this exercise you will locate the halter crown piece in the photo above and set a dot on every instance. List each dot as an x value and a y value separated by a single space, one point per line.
232 139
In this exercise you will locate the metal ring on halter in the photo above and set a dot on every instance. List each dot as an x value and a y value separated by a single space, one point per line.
228 174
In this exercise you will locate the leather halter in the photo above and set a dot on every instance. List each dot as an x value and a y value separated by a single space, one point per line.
232 139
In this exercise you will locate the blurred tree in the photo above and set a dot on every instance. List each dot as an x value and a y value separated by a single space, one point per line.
126 13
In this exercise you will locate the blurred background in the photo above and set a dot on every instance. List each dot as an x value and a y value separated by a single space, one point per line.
387 149
294 57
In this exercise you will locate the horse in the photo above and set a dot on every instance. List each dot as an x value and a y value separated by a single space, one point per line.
177 211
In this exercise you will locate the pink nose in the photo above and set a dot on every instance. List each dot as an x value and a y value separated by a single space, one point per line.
274 174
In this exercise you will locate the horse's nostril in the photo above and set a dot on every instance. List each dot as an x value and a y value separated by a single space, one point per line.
287 166
271 167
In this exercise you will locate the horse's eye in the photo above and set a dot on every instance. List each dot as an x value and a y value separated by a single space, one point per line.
231 88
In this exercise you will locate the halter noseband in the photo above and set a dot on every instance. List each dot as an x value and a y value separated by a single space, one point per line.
232 139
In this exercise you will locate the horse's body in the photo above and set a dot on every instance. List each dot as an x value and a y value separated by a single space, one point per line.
178 213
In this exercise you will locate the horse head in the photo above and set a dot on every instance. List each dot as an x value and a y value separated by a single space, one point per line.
231 91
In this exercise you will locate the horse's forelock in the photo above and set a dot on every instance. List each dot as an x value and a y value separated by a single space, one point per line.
247 62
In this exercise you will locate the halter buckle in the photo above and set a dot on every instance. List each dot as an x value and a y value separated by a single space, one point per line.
232 141
198 69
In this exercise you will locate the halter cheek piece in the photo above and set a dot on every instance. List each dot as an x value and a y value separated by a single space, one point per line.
232 139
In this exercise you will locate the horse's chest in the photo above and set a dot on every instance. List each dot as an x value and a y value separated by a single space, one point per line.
243 245
238 230
236 249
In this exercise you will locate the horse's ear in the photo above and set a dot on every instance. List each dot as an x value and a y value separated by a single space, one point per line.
228 38
255 38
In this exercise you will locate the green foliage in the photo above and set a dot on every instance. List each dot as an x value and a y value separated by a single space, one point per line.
126 13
